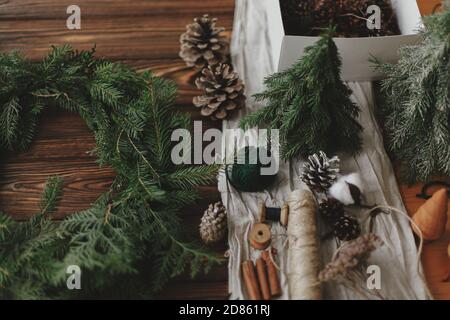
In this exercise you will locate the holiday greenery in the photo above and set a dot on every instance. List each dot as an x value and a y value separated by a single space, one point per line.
310 105
131 241
416 102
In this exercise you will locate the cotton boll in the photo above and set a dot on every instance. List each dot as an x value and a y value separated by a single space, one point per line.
355 179
347 189
341 191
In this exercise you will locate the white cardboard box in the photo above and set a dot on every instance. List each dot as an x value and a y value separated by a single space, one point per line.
355 52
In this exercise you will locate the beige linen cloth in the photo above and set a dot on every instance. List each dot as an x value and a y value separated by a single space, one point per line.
397 258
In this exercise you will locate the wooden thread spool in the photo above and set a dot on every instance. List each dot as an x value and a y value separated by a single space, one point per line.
272 274
260 236
250 280
274 214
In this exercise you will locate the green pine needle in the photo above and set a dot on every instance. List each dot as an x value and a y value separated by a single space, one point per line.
52 193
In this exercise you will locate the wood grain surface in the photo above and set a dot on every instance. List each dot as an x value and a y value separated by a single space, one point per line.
144 35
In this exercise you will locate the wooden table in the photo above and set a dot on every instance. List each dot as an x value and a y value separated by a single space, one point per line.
144 35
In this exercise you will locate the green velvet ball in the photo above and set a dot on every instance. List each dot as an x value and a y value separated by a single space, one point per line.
246 177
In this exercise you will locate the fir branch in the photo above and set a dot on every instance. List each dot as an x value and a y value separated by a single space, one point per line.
127 230
9 122
416 102
310 105
189 177
52 193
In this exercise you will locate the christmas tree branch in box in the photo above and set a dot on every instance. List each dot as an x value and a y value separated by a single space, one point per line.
310 105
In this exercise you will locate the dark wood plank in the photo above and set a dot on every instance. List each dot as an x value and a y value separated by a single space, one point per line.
145 40
52 9
151 35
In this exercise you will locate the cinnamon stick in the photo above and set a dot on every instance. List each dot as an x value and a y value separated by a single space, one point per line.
250 280
262 277
272 273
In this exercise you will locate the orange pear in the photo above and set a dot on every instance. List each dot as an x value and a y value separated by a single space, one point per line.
431 218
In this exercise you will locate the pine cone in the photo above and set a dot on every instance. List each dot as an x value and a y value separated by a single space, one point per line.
320 172
346 228
223 91
213 224
331 209
202 44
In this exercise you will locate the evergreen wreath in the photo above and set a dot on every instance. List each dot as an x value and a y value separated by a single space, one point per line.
416 102
131 241
310 105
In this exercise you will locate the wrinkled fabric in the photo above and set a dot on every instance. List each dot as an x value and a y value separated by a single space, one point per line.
397 259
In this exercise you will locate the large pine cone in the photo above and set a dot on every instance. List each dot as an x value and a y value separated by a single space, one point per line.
213 226
319 172
202 44
223 91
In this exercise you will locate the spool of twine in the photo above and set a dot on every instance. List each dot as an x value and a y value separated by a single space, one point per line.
304 251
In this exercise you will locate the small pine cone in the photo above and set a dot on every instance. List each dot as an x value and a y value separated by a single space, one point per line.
213 224
202 44
319 172
346 228
331 209
223 91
